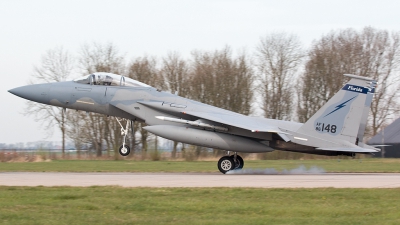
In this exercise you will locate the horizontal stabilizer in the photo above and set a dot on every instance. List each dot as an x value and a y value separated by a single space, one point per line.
342 149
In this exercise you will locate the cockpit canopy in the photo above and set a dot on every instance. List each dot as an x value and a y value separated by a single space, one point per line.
109 79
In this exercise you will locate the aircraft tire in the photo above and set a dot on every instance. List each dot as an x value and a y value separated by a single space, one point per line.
124 151
225 164
239 162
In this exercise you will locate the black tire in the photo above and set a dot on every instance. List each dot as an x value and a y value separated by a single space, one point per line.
225 164
124 151
239 163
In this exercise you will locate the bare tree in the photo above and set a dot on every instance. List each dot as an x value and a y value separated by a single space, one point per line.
381 61
328 59
145 70
278 58
100 129
97 57
75 130
369 52
175 72
219 79
56 65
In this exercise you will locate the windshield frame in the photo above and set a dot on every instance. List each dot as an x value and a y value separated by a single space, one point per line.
109 79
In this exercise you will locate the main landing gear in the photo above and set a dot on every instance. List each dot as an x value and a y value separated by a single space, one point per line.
233 162
124 149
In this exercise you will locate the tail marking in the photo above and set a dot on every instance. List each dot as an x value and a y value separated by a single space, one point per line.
340 106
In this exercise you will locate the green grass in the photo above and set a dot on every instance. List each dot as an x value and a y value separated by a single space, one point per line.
116 205
332 165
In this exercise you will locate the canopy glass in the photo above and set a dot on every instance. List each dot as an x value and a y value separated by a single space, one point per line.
109 79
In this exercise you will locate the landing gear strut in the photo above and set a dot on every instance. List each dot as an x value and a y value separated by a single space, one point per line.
233 162
124 149
239 163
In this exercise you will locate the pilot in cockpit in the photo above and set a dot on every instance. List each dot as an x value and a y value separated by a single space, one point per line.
109 79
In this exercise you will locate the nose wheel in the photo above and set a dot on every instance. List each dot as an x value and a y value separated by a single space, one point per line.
227 163
124 149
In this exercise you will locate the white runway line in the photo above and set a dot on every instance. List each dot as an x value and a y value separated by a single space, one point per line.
370 180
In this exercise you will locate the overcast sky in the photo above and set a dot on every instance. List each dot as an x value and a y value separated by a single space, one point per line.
29 28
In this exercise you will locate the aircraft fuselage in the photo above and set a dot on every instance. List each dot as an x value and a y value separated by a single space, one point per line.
334 130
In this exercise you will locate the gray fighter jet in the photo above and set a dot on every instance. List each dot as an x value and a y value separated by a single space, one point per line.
336 129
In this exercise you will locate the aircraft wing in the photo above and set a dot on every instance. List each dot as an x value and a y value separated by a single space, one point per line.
240 121
223 117
341 149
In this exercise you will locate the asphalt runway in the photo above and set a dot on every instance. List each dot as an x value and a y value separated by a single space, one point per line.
345 180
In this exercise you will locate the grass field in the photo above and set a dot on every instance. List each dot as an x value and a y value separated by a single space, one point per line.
116 205
332 165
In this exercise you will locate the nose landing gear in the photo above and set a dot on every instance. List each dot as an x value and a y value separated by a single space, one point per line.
227 163
124 149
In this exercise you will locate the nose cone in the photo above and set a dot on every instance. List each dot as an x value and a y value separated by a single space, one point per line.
35 92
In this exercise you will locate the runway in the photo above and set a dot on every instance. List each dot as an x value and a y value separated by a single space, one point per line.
348 180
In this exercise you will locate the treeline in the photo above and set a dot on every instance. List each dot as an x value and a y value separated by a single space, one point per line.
280 78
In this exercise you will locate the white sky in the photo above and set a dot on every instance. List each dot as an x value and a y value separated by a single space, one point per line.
29 28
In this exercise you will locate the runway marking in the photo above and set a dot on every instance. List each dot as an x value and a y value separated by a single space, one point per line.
366 180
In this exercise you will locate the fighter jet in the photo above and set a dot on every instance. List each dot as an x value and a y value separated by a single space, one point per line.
335 129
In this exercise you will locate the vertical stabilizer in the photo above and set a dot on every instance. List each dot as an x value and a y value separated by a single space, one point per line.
367 108
344 116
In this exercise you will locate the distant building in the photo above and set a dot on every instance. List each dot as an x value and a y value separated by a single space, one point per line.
390 135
